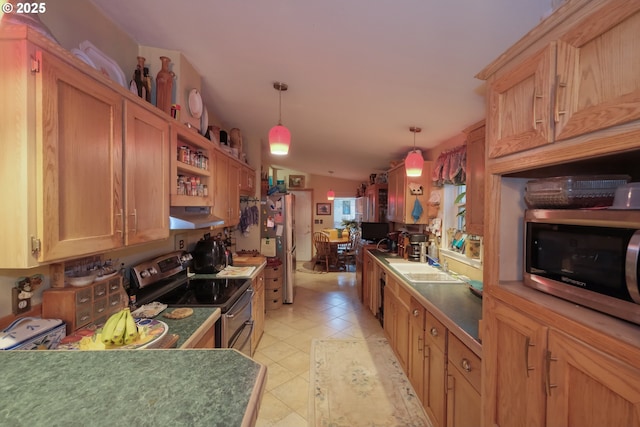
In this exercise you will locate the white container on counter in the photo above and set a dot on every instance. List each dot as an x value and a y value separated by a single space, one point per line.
32 333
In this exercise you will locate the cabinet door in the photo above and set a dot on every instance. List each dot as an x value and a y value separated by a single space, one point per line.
435 364
258 310
598 84
221 192
519 104
416 348
586 387
474 216
401 333
234 193
513 349
463 401
147 176
392 181
81 170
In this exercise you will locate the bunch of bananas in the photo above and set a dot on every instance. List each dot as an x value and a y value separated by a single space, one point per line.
120 329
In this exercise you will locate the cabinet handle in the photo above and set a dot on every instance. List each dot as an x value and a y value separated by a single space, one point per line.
527 344
556 106
83 300
451 383
434 332
101 294
419 344
536 122
466 365
121 223
427 351
415 312
135 221
548 384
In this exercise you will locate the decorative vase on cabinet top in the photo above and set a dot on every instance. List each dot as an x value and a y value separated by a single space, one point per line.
164 86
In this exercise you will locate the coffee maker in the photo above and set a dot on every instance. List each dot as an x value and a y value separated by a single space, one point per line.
414 246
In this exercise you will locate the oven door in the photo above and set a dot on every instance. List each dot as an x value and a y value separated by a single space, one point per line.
237 324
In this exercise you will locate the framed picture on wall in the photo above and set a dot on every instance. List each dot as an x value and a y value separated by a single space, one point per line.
296 181
323 208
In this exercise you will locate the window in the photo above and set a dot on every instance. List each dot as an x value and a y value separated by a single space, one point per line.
344 208
453 223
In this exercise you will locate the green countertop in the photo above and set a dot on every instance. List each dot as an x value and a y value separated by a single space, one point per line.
455 301
202 317
129 387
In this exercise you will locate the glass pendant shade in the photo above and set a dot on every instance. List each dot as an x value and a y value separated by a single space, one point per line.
413 163
279 140
331 195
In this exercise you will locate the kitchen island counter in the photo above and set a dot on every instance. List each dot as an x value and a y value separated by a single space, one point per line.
130 387
191 330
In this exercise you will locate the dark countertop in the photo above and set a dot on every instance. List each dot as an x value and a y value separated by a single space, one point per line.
190 329
129 387
453 304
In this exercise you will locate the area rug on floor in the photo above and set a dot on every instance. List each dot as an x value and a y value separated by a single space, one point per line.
360 383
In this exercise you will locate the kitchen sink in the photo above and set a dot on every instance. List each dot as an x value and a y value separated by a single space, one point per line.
423 273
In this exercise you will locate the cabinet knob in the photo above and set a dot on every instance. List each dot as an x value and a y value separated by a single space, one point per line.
416 312
434 332
466 365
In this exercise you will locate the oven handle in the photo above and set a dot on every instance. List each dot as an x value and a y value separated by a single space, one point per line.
236 308
247 324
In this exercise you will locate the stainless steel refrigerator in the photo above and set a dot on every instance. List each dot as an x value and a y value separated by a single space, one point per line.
278 237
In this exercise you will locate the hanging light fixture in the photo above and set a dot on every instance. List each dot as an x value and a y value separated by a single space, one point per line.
279 136
414 161
331 195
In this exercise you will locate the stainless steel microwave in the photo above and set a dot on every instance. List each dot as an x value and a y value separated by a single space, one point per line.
589 257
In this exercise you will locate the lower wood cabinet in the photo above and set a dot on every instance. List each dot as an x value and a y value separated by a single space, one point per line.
396 319
463 385
435 369
208 340
551 378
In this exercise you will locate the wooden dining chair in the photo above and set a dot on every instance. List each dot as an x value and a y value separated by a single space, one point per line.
323 250
349 255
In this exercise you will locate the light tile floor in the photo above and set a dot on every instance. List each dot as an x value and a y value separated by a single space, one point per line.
326 305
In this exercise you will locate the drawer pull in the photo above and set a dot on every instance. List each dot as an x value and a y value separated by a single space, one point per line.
415 312
83 318
466 365
101 294
83 300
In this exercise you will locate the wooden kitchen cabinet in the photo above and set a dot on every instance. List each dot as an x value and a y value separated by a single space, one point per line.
247 181
396 319
375 203
552 378
400 199
416 348
258 310
147 190
226 203
585 79
435 370
463 385
371 284
474 209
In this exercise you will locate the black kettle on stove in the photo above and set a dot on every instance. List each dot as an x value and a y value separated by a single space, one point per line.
209 256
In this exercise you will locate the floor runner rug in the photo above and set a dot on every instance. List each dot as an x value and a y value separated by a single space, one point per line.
357 383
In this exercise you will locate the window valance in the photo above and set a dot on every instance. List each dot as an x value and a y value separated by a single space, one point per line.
450 167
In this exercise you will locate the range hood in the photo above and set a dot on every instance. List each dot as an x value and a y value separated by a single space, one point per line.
191 218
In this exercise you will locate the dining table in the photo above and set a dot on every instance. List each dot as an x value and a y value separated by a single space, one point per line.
336 243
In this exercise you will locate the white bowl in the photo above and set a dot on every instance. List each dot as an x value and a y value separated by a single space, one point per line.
627 196
83 278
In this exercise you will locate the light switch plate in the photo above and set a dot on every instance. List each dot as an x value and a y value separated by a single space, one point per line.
181 242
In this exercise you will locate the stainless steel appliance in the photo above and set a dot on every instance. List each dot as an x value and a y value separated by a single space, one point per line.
164 279
589 257
278 235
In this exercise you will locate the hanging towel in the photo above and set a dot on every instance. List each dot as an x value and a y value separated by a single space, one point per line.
417 210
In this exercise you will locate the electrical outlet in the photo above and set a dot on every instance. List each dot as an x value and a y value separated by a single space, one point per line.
19 305
181 242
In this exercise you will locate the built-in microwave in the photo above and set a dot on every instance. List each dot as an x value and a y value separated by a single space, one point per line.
589 257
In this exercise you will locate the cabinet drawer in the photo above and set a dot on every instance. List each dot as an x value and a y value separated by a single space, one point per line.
273 272
465 361
116 301
273 282
83 297
83 317
435 332
100 307
114 285
417 314
99 290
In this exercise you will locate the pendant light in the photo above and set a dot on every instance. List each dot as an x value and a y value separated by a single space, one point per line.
414 161
279 136
331 195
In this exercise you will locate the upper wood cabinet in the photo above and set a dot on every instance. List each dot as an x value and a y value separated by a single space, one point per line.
192 166
247 181
146 175
375 203
474 216
400 199
586 79
68 192
226 203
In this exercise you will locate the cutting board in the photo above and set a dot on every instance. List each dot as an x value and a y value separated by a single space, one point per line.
249 260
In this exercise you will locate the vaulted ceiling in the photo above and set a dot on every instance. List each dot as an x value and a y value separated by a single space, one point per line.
360 72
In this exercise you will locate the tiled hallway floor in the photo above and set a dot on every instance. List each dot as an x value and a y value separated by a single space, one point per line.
326 305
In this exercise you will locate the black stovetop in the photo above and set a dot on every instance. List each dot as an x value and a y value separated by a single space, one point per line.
222 293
